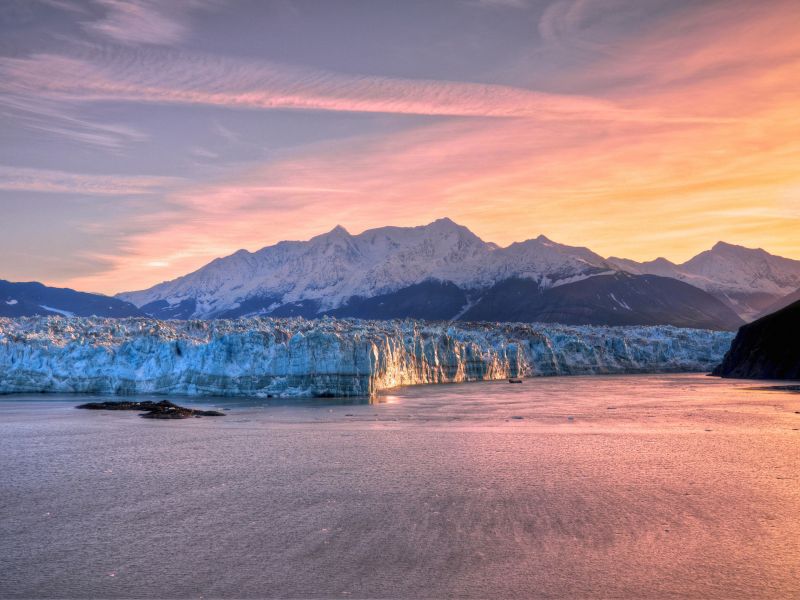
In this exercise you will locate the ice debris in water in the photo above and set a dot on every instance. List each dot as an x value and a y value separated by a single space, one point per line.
326 357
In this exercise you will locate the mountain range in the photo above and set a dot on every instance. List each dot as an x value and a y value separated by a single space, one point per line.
443 271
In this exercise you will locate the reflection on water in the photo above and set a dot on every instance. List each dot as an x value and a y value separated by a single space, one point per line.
778 388
637 486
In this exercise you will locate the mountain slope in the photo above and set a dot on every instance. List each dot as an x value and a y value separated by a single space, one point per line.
32 299
749 280
618 299
768 348
326 272
431 300
782 303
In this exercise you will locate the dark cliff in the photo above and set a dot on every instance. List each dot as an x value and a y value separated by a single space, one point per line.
768 348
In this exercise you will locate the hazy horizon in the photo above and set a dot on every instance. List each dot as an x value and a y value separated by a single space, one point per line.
144 139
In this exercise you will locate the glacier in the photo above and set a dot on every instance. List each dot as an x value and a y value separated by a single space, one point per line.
266 357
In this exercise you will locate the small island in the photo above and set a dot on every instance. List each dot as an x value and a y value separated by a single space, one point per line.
153 410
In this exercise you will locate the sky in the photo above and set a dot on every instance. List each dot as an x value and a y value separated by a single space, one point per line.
140 139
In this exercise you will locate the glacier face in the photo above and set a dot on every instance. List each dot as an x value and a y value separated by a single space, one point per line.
327 357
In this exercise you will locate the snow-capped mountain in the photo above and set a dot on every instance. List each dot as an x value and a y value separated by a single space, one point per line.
749 280
444 271
335 268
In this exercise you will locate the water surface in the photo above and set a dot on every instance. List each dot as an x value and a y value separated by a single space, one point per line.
617 486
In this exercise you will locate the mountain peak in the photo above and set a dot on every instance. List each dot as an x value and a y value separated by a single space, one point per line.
726 247
339 230
661 261
337 233
445 224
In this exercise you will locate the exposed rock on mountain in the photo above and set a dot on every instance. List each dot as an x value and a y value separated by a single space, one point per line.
432 300
618 299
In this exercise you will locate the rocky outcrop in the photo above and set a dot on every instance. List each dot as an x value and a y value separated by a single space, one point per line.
153 410
766 349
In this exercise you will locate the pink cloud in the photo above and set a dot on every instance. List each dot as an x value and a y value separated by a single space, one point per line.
44 180
172 77
144 21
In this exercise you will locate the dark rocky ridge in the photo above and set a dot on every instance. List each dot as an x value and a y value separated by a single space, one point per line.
618 299
35 299
153 410
431 300
768 348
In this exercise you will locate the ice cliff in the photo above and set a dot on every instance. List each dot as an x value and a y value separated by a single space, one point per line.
327 357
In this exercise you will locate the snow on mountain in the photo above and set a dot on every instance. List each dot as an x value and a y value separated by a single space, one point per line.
330 269
747 279
323 357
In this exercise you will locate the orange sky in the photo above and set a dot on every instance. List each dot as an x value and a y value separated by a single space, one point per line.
694 138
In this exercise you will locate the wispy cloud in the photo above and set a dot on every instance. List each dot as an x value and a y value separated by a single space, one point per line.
54 117
142 21
562 18
172 77
502 3
44 180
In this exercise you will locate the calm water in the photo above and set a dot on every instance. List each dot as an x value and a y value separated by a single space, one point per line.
633 486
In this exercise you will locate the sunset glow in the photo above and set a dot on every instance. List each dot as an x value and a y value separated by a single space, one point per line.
636 129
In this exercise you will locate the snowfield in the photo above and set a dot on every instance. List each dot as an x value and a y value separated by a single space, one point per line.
326 357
